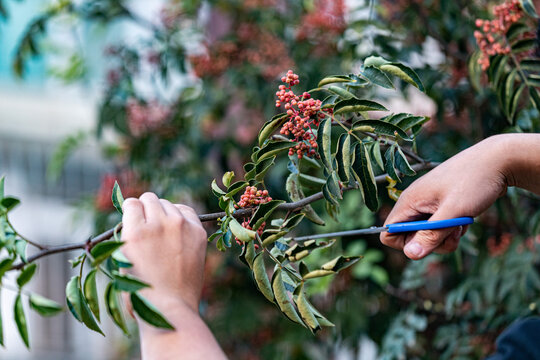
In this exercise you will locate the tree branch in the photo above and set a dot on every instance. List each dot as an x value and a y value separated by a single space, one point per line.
292 206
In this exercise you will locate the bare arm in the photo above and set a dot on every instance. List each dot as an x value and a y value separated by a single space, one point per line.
167 244
465 185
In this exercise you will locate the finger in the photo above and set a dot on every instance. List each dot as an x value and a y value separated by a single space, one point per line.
188 213
152 207
423 242
133 215
169 208
451 242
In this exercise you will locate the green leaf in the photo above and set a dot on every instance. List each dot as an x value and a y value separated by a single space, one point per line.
2 182
324 142
354 105
515 30
534 80
340 263
236 188
282 298
262 168
412 121
20 320
114 307
377 77
299 251
334 79
26 274
529 8
523 45
5 265
305 311
317 273
117 197
261 277
364 174
271 126
390 166
78 306
216 189
402 164
332 185
90 292
515 100
375 61
149 312
530 65
344 157
403 72
44 306
103 250
269 240
296 194
120 259
9 203
341 92
272 148
128 283
311 181
241 232
263 212
497 68
248 254
376 154
227 178
380 127
20 248
329 101
535 97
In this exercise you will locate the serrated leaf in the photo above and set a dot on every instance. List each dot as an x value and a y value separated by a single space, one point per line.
402 163
295 194
380 127
90 292
26 274
78 305
272 148
149 312
114 307
20 320
103 250
364 173
117 197
334 79
377 77
324 142
282 298
271 126
44 306
341 92
344 158
261 277
305 311
241 232
227 178
403 72
354 105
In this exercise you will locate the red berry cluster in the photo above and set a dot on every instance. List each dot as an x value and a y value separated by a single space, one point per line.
252 197
491 36
499 246
303 112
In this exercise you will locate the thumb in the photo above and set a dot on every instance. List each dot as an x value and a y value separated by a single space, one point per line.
423 242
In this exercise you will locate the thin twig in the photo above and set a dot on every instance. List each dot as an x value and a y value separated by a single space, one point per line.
292 206
39 246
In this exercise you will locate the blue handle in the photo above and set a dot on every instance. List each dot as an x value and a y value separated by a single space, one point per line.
427 225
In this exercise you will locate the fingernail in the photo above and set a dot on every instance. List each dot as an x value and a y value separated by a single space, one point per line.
413 249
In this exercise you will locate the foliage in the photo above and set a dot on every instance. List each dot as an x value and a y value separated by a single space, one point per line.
180 136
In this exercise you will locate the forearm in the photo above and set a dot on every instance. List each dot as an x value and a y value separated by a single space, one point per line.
521 156
191 338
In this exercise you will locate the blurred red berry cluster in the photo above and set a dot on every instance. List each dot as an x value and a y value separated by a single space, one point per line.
498 246
323 25
491 36
303 112
254 46
145 117
129 182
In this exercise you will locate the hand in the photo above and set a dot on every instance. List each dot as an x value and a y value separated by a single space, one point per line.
465 185
166 244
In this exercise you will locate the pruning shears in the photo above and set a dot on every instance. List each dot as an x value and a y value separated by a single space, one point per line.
397 228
